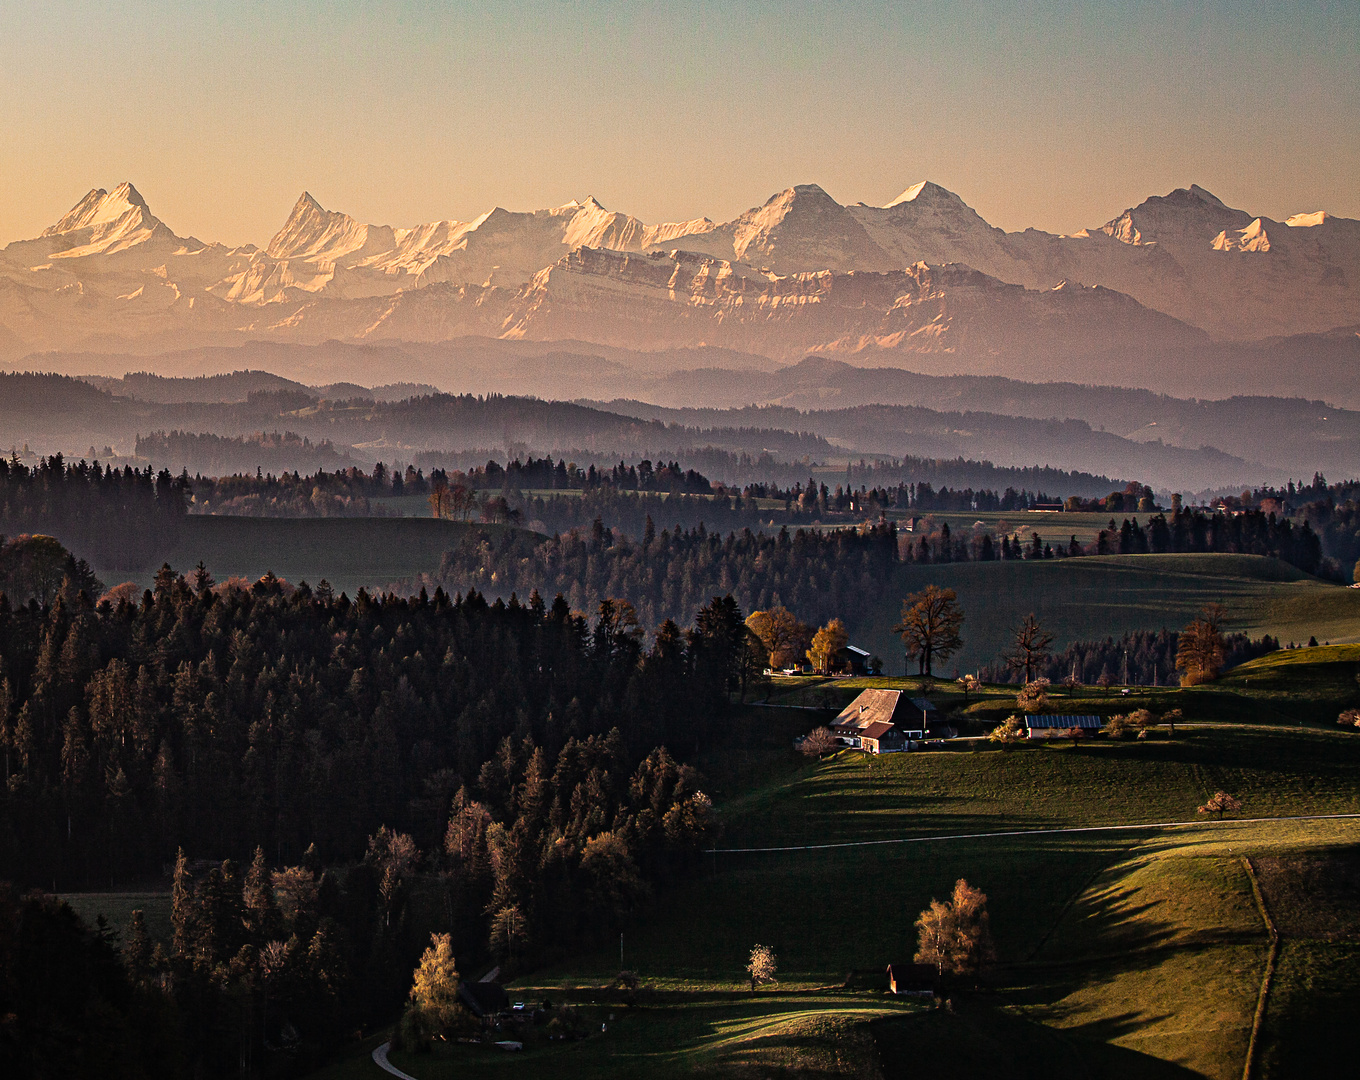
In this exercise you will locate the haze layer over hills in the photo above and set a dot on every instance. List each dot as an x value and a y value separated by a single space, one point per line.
1177 292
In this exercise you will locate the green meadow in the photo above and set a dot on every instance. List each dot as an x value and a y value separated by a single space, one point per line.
1103 595
1121 952
349 553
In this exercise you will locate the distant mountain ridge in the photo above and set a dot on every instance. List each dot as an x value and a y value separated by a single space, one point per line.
922 277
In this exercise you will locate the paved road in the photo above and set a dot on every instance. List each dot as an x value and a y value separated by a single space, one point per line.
1200 822
380 1059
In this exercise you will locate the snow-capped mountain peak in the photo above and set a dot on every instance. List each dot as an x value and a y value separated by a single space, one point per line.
101 207
925 192
103 223
312 232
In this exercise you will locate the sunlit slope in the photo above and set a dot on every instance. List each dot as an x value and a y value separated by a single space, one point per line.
1100 596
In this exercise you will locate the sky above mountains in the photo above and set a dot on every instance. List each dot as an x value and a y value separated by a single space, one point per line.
1047 114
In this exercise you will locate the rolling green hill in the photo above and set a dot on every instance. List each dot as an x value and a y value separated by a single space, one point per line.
1098 596
347 552
1142 952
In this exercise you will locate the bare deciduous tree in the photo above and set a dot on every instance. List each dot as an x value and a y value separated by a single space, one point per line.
762 966
1032 648
817 742
931 621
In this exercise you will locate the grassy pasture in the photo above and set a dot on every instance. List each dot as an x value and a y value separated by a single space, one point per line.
347 552
1308 685
770 1033
1122 954
117 908
1099 596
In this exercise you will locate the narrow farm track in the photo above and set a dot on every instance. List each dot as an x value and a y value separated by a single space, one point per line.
1199 823
380 1060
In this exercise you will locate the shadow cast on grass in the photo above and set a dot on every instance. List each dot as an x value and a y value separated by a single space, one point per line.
979 1039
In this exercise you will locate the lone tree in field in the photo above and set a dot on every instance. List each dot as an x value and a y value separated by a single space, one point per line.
817 742
955 936
931 620
1220 803
1032 647
762 967
1349 718
1199 651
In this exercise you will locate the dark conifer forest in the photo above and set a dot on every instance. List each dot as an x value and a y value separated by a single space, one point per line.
515 754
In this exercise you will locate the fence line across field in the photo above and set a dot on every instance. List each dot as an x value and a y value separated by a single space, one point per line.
1200 822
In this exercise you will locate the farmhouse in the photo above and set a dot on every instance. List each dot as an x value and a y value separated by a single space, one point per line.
483 999
1048 727
879 721
853 660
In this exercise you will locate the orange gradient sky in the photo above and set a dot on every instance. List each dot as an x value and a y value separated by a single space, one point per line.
1055 115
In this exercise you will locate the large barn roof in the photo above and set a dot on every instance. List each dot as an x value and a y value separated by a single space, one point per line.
871 707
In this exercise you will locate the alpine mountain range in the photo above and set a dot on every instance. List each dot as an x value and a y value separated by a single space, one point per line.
1180 294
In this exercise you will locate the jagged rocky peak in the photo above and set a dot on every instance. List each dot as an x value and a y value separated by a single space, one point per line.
1252 239
313 232
1190 215
100 207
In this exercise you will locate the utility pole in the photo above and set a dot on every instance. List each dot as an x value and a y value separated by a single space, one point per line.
620 952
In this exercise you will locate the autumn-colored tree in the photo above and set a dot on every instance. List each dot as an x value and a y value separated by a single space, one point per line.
614 886
1220 803
931 621
1010 730
436 979
439 497
1033 697
1349 718
1031 648
434 1010
1144 721
826 644
969 685
1199 652
762 966
507 931
955 937
784 637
